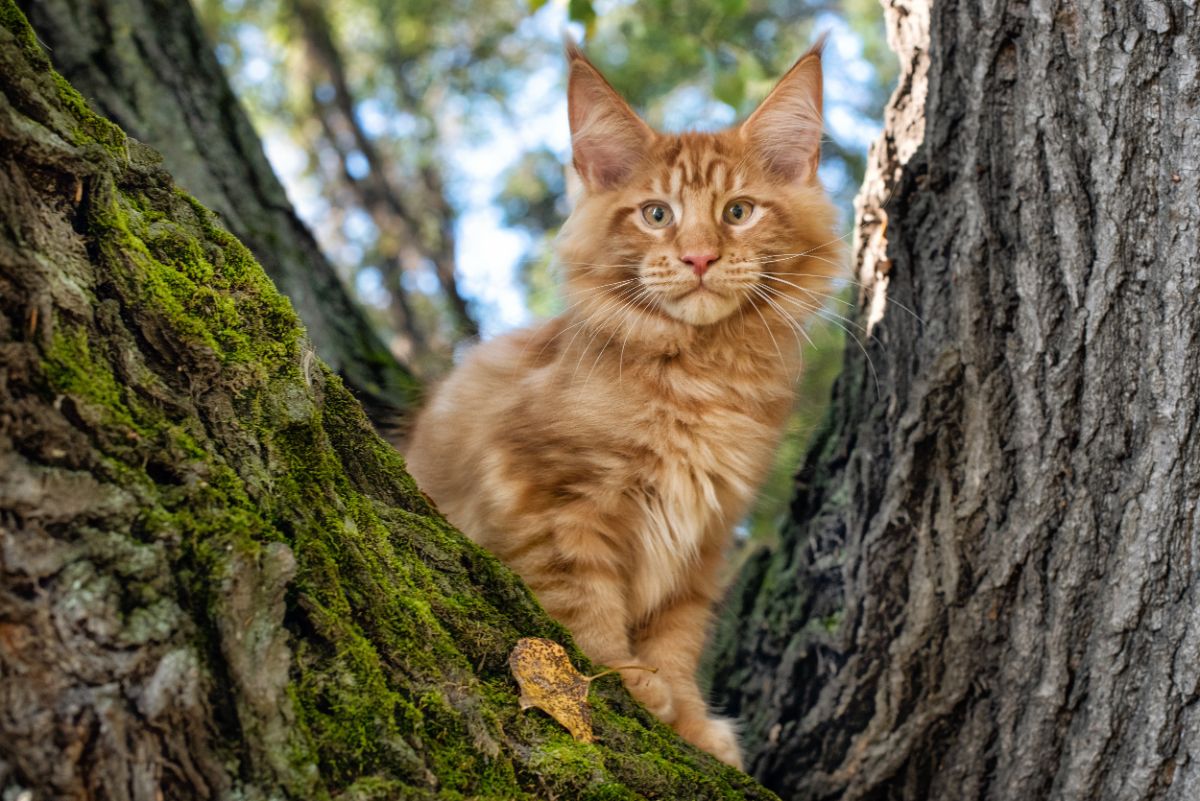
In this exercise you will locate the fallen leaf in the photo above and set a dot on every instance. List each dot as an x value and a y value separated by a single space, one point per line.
551 683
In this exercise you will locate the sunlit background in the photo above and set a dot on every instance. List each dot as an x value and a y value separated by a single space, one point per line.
423 141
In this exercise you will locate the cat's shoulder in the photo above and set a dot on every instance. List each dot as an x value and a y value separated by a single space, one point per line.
519 350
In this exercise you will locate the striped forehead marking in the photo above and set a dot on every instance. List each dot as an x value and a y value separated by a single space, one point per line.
695 165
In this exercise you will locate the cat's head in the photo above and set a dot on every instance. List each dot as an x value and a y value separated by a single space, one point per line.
697 228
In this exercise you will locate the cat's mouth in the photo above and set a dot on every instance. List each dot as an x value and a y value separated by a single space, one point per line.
700 289
699 304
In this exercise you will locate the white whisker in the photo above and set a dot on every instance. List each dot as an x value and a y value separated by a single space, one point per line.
797 331
849 333
822 296
858 284
630 306
642 294
817 309
766 325
581 324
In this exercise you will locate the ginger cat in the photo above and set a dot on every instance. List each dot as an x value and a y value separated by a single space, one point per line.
606 454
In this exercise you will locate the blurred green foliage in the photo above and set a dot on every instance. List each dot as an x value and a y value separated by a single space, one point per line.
375 96
377 104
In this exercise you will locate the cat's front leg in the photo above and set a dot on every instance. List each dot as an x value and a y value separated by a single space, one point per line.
672 641
589 596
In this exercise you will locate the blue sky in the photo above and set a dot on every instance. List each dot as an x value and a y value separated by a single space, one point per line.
488 253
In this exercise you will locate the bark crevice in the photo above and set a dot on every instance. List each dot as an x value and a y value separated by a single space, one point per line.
1004 543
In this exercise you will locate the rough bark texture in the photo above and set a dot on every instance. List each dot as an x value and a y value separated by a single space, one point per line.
990 586
146 65
215 580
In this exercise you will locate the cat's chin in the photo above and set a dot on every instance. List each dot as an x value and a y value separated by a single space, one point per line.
702 307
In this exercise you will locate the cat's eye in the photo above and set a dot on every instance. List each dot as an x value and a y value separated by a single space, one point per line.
657 215
737 211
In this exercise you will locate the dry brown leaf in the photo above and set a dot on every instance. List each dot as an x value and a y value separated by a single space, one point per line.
550 682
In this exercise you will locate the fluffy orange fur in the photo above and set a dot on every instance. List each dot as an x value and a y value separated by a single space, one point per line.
606 454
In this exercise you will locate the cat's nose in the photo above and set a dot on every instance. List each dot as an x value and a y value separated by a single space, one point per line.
700 261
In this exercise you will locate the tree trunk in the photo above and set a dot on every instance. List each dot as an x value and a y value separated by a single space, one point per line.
990 584
145 64
215 580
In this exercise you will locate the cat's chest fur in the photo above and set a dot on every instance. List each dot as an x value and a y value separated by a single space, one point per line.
705 447
598 458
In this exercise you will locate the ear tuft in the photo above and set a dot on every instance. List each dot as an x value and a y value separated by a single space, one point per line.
608 140
571 48
786 127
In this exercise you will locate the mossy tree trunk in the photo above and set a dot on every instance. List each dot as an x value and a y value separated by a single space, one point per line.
216 581
990 584
146 65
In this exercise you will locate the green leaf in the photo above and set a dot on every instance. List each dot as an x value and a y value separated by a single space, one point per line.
583 12
730 87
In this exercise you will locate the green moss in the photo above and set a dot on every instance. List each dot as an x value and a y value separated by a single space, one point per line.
191 386
13 20
208 285
88 126
831 622
73 370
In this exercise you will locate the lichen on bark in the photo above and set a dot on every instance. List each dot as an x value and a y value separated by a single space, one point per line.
215 579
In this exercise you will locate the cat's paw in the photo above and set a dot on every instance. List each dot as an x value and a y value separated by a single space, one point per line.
652 691
717 736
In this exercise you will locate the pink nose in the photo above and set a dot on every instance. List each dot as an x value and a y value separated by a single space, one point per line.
700 261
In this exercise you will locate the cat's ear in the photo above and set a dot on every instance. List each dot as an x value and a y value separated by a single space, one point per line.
786 127
608 140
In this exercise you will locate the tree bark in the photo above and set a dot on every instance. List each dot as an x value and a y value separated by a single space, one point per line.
145 64
990 584
216 581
